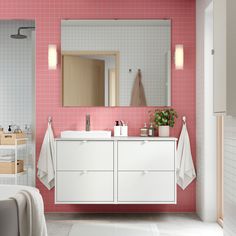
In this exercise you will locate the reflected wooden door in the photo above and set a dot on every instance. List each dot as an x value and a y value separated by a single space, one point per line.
83 81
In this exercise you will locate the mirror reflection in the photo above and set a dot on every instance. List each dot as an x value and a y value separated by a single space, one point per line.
116 62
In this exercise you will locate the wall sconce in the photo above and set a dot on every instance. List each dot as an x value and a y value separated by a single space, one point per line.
179 57
52 57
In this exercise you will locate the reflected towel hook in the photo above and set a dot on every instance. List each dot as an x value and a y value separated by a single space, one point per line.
184 119
139 72
49 119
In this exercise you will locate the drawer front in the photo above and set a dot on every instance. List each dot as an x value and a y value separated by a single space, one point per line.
146 187
85 155
146 155
84 187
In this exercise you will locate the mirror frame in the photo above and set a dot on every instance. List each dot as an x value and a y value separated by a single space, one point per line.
117 59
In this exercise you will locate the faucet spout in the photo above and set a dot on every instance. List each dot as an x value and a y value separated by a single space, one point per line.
87 122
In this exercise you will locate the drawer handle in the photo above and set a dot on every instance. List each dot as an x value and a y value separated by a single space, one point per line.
84 141
145 141
145 172
84 172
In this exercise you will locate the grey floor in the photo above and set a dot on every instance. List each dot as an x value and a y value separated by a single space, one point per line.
168 224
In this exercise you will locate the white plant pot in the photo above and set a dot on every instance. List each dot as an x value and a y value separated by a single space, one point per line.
164 131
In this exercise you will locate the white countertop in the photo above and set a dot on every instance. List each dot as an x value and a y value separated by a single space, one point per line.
129 138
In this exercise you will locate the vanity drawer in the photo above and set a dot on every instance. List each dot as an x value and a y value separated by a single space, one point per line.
79 186
146 187
84 155
146 155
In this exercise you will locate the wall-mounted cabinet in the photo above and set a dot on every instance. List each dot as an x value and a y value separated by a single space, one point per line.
116 171
224 57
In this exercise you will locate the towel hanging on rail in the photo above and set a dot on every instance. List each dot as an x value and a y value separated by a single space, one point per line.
138 98
46 172
185 168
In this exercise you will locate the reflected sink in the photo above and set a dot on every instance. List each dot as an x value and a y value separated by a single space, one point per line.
86 134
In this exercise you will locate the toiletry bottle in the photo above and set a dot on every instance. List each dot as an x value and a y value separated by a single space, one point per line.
117 129
151 130
124 130
9 128
1 130
28 131
1 133
144 131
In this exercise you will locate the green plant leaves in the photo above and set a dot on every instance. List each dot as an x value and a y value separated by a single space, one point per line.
163 117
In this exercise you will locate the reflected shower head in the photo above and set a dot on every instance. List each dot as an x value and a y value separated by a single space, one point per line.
19 35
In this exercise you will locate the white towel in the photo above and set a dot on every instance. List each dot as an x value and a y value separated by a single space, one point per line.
30 213
46 173
7 158
185 168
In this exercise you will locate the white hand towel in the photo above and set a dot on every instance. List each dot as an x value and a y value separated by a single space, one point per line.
185 168
46 173
30 213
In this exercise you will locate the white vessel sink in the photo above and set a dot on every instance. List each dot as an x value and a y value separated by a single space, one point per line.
86 134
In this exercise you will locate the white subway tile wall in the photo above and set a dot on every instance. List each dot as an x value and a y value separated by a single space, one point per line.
16 83
16 75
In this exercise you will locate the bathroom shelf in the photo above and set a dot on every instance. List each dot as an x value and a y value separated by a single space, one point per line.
12 147
20 152
13 175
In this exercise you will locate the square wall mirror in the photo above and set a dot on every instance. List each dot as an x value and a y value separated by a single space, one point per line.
116 63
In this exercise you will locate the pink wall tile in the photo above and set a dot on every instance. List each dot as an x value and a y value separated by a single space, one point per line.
48 14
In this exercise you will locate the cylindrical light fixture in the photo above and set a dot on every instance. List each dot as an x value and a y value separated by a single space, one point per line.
52 57
179 57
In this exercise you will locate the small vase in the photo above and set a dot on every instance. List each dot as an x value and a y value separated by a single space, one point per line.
164 131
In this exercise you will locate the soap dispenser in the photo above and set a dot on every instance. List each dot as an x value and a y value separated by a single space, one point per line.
151 130
144 131
9 128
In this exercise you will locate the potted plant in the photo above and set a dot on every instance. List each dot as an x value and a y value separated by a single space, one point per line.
163 119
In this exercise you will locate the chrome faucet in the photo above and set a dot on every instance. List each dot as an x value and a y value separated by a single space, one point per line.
87 122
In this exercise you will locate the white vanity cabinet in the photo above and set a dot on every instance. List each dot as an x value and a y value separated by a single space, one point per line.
129 170
84 171
146 171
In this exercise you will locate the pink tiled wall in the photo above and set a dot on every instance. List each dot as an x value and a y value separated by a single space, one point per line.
47 14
